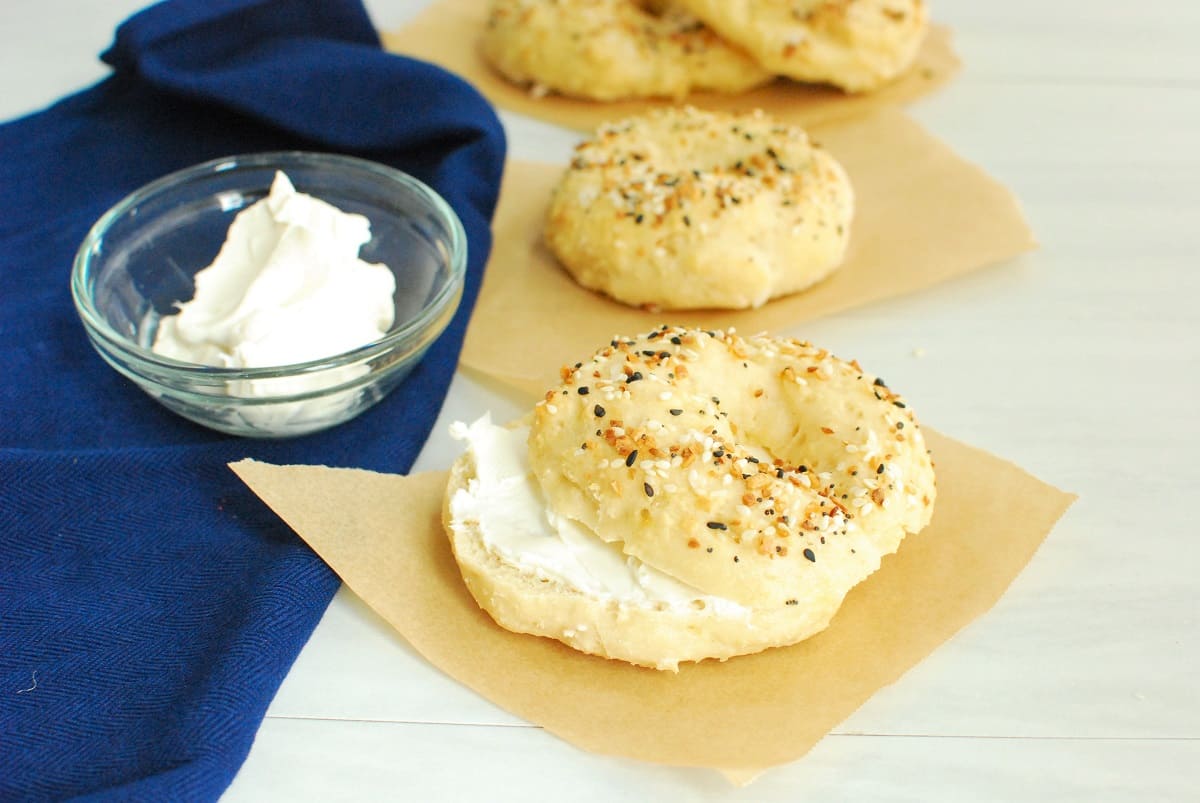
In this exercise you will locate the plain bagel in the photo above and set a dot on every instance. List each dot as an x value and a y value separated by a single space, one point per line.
762 474
612 50
687 209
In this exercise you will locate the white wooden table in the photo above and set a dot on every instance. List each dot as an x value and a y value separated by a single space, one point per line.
1080 362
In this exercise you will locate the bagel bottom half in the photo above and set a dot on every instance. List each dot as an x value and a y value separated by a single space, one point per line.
641 632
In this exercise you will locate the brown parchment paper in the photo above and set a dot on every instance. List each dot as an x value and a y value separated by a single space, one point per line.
382 534
923 215
447 33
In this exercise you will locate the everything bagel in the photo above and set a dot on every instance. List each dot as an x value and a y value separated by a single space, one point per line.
759 478
687 209
612 50
856 45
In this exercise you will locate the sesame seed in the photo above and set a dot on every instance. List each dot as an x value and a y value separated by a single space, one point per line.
808 553
648 488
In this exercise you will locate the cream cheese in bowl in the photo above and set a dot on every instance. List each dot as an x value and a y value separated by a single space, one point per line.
288 261
257 307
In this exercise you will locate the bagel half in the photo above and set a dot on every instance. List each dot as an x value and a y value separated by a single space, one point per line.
610 50
855 45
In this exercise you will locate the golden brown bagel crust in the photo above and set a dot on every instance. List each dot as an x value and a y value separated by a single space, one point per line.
687 209
612 50
762 470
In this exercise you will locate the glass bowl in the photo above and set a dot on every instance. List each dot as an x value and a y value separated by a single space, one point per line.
139 259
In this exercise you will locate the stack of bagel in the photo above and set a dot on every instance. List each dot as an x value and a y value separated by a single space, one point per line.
688 494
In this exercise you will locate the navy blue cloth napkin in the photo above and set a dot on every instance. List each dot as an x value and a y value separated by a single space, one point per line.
149 604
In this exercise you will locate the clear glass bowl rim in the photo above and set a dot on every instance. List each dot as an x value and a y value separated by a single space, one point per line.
429 314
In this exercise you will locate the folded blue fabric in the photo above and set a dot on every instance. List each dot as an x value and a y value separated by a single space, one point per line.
149 604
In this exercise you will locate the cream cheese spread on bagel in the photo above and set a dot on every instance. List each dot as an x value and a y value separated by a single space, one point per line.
756 479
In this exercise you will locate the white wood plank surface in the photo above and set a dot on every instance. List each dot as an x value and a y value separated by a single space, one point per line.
1078 361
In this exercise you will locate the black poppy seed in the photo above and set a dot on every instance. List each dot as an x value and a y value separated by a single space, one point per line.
599 411
878 397
632 458
675 411
716 400
735 558
676 341
803 469
880 469
808 553
899 425
687 221
752 459
635 376
879 382
779 473
708 550
792 602
648 488
640 217
583 390
662 355
648 352
901 405
717 525
719 453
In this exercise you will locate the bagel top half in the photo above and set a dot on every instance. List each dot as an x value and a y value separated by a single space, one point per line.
761 470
